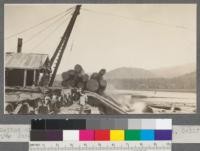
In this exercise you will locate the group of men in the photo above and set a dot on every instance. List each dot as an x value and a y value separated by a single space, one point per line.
53 101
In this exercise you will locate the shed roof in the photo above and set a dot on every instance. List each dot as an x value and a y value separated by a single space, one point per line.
25 60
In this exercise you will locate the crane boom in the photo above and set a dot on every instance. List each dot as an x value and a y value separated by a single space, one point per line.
62 44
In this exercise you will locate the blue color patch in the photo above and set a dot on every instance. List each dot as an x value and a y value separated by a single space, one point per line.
147 135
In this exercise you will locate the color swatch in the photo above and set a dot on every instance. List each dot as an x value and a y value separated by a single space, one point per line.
115 124
147 135
71 135
163 134
86 135
47 135
102 135
102 130
132 135
117 135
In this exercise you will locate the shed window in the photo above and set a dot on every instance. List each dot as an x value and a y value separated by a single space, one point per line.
14 77
30 77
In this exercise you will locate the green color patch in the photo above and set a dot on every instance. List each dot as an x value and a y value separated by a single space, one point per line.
132 135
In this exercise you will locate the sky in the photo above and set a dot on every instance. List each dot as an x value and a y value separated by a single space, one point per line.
107 36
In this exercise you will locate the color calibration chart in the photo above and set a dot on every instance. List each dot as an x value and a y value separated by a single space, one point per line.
106 135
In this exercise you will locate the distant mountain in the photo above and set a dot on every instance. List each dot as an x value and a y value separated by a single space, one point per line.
178 77
139 73
129 73
171 72
187 76
184 82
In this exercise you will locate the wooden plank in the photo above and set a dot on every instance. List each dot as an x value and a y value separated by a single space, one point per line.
34 77
25 77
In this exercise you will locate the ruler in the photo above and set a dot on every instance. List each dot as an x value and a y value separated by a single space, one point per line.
21 133
101 146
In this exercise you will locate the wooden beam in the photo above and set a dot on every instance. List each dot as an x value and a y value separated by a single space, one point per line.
62 45
25 76
34 77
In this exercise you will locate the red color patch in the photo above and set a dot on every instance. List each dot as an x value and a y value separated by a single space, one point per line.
102 135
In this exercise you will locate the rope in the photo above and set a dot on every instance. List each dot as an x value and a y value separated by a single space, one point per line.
34 26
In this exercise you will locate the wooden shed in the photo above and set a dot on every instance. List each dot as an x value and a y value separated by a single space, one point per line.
25 69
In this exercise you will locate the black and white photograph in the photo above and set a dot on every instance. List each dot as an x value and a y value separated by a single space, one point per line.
100 59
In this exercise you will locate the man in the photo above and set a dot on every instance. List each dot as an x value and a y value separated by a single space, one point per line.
75 94
43 106
53 104
82 101
67 96
46 100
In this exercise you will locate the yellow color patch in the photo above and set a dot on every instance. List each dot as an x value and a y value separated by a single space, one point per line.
116 135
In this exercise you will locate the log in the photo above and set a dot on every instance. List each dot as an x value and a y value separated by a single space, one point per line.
72 83
24 109
85 77
94 76
71 72
68 75
43 110
80 75
65 76
69 83
77 78
64 83
81 85
9 108
100 91
92 85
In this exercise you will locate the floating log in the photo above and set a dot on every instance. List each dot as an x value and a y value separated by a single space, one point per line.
148 109
92 85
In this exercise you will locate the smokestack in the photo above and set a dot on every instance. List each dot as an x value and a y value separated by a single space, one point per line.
19 45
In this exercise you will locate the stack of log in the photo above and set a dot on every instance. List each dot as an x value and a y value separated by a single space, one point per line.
77 78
